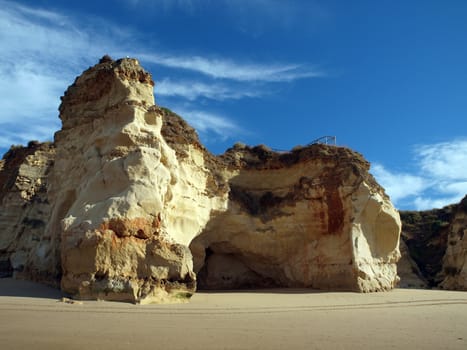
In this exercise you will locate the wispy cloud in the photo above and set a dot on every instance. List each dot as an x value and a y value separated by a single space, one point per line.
253 17
440 179
427 203
209 124
22 133
447 160
192 90
43 51
36 65
226 69
399 185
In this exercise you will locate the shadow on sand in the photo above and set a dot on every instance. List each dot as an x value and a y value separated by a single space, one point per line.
10 287
300 291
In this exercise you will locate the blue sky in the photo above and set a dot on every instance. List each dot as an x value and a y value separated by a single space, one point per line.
387 78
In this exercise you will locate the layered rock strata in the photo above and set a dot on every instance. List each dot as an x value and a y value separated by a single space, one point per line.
425 234
312 217
455 258
126 206
24 211
139 209
408 270
436 243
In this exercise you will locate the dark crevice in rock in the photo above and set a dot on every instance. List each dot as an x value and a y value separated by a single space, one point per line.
426 236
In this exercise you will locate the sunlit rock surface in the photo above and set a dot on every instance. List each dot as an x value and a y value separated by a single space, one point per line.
312 217
138 210
126 205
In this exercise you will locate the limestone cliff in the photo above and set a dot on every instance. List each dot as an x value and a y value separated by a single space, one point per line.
455 258
425 235
408 270
24 211
435 241
126 205
312 217
137 207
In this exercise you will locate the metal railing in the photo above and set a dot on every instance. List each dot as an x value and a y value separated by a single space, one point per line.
325 140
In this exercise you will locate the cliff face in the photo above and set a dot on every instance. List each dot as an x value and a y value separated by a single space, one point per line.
435 242
24 212
138 207
408 270
126 205
312 217
455 259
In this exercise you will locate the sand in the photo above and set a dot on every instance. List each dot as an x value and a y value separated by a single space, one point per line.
34 317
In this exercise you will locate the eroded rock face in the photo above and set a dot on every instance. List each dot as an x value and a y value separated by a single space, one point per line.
312 217
408 270
425 233
455 259
24 211
125 207
138 207
436 243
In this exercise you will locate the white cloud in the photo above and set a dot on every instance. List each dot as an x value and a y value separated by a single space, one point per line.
441 178
40 13
427 203
192 90
227 69
38 61
447 160
22 133
210 123
43 51
457 187
399 185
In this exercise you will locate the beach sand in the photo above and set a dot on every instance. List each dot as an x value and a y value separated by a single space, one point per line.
35 317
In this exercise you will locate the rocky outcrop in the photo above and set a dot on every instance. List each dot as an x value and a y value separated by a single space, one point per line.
140 210
312 217
425 235
455 258
408 270
126 205
435 242
24 211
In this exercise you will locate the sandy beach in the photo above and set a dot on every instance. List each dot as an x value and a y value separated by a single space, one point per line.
33 316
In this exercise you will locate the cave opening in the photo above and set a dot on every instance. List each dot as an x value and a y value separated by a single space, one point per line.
227 270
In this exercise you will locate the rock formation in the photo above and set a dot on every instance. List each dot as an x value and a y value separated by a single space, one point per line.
139 209
455 259
312 217
408 270
24 211
435 242
126 204
425 234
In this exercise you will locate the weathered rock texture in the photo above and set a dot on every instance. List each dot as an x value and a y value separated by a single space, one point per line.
138 207
126 204
455 259
425 234
312 217
24 211
408 270
435 242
